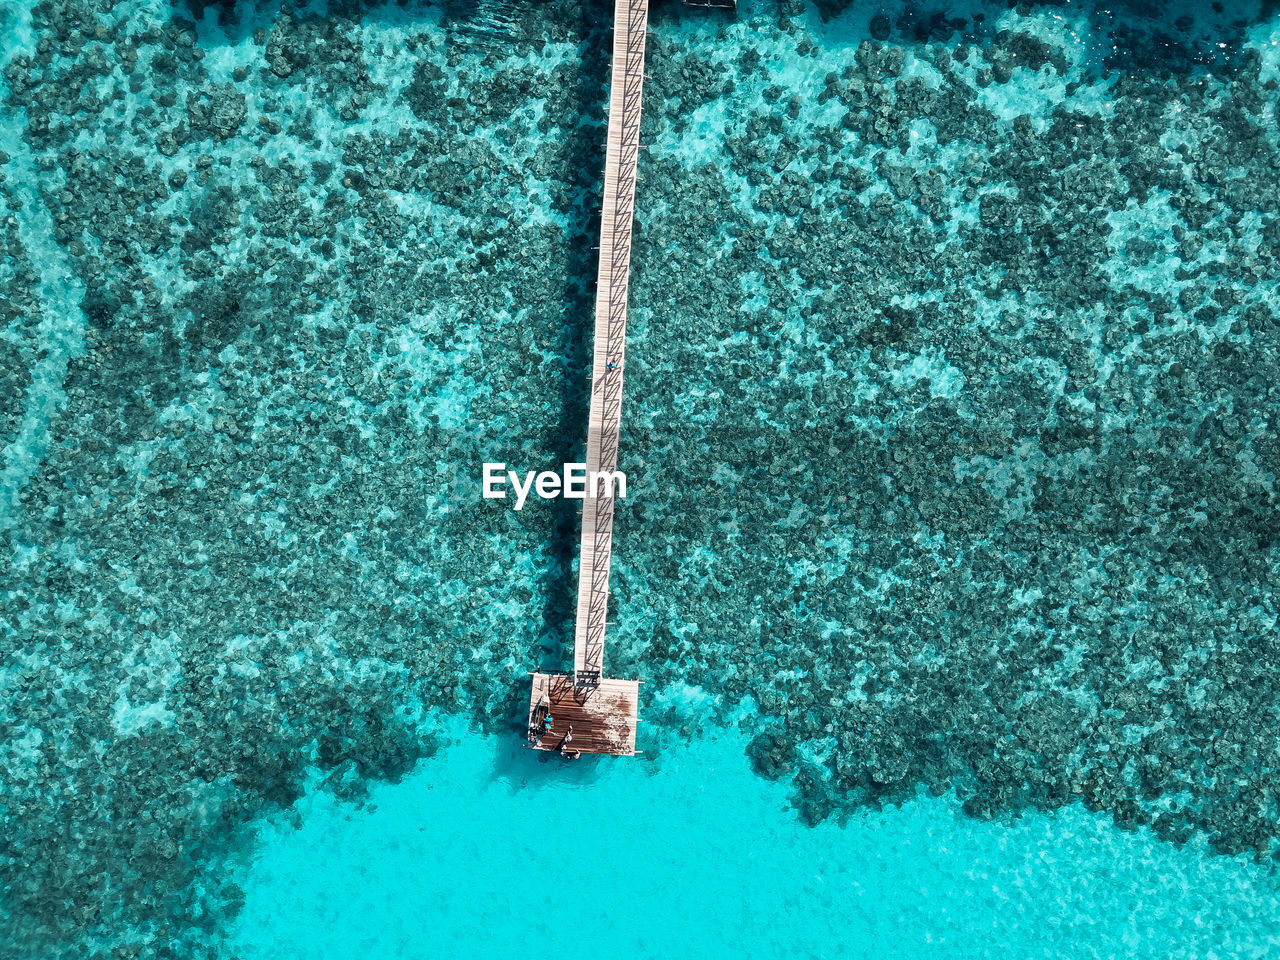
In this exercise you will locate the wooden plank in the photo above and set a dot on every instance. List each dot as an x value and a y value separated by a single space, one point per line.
631 18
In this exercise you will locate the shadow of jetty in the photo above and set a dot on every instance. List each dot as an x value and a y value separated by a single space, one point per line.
582 211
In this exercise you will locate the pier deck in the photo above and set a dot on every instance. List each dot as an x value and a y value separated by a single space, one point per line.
613 280
600 719
603 711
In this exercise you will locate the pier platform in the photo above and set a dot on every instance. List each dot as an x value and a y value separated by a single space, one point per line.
596 716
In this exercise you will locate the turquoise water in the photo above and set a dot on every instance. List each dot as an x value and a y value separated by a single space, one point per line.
488 852
951 431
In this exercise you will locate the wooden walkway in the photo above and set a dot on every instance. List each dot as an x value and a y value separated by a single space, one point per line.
606 709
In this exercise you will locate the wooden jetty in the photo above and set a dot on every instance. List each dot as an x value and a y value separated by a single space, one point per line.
583 711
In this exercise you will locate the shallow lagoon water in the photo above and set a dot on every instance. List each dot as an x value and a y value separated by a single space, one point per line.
486 851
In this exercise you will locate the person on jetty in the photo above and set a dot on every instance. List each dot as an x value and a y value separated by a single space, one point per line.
566 751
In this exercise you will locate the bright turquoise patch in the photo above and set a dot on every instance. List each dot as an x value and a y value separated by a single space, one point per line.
485 852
